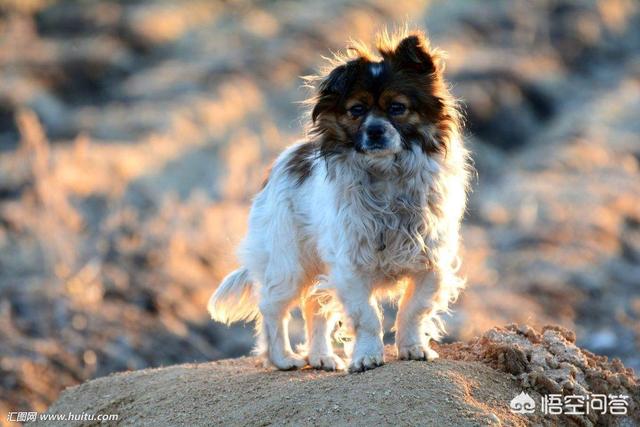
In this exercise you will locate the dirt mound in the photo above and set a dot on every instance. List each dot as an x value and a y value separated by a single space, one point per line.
471 384
242 392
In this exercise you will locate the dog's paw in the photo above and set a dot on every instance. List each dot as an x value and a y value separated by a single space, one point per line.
326 362
288 362
366 362
417 352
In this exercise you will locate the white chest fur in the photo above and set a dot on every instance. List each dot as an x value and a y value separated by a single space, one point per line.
386 216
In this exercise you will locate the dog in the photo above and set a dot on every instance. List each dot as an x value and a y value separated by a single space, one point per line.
369 204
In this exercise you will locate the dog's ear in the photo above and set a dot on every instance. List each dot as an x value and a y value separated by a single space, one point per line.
333 89
337 80
413 53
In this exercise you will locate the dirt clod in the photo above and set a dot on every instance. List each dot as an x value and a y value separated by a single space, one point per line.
549 362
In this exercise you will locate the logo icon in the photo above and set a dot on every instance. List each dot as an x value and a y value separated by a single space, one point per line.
522 404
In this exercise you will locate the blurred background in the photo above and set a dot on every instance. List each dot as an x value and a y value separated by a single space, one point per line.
133 135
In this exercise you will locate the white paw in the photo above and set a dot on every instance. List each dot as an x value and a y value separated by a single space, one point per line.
288 362
327 362
417 352
365 362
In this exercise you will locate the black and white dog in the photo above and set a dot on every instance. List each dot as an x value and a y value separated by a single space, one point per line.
369 204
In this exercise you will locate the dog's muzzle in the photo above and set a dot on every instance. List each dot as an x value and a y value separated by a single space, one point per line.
379 137
376 137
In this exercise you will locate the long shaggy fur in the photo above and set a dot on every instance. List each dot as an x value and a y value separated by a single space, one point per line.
368 220
235 299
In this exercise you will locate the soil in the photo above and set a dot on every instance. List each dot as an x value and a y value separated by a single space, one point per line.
471 384
242 392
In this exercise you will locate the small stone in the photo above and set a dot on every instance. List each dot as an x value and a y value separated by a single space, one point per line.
515 360
494 420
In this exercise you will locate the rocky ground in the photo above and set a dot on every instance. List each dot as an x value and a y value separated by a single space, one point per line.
133 135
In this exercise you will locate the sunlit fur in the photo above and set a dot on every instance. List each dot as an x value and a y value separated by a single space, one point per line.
338 224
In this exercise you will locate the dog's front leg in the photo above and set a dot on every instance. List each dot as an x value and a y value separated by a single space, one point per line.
413 315
355 293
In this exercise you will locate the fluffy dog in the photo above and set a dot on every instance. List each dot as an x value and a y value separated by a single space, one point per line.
370 203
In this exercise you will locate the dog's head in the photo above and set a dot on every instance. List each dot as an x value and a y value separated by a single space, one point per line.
379 106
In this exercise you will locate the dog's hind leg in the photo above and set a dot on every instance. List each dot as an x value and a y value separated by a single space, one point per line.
319 327
277 295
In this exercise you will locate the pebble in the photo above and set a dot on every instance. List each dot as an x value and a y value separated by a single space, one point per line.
493 419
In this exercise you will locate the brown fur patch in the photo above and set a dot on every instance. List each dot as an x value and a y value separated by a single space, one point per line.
300 163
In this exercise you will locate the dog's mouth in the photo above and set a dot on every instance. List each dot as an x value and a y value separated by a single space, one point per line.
380 147
378 151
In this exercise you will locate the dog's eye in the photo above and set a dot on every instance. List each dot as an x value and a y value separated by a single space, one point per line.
397 108
357 110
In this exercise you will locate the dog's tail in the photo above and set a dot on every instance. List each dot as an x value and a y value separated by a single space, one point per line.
235 299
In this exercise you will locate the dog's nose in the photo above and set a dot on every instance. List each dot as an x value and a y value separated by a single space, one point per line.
375 132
